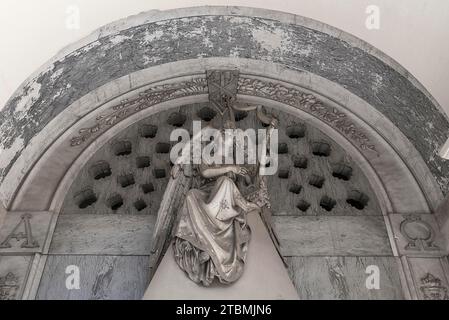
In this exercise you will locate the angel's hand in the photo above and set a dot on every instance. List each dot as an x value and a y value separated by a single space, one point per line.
231 175
274 123
241 171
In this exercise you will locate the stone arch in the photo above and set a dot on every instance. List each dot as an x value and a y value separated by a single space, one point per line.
416 173
285 30
65 119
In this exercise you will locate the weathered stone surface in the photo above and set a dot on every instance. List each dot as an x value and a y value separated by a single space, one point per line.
428 278
344 278
13 274
417 235
101 278
103 234
294 46
332 236
24 232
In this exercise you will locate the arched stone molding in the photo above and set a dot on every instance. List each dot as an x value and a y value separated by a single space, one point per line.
397 178
269 36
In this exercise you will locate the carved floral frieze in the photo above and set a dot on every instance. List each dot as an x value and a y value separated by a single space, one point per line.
309 103
146 99
245 86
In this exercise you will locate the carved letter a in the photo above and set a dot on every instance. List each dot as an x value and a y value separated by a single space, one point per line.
29 242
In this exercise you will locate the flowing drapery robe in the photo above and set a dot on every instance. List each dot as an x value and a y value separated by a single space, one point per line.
212 236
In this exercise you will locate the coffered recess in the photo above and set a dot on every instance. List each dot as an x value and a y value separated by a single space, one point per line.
129 174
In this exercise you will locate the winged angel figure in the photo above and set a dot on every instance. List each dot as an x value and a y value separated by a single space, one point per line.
203 213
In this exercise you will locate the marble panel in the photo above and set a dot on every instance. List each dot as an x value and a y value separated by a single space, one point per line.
332 236
103 234
101 278
343 278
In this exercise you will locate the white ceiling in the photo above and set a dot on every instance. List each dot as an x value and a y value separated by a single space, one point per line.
413 32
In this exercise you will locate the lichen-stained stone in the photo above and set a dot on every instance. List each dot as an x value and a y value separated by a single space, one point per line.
101 278
225 32
13 274
103 234
25 232
344 278
332 236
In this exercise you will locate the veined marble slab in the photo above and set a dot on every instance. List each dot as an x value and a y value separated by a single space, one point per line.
343 278
332 236
101 278
103 234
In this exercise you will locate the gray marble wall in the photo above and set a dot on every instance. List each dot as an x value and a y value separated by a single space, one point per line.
111 252
103 234
332 236
101 277
327 257
344 278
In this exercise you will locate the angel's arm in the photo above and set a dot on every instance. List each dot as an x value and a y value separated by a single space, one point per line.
215 172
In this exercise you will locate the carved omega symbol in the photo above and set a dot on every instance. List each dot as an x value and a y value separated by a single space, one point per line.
419 233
